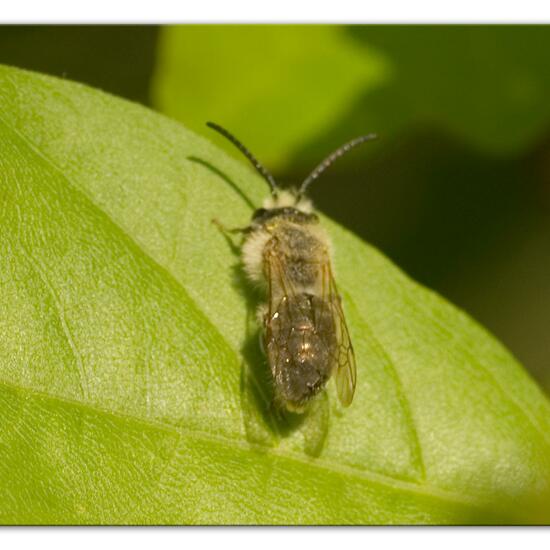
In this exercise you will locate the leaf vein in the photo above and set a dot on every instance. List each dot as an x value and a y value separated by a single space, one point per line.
401 396
217 439
38 268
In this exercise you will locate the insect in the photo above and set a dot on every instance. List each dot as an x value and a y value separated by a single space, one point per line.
305 335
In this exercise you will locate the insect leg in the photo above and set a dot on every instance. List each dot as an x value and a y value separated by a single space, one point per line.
225 229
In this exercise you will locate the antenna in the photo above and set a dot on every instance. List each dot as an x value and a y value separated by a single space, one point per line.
331 158
259 167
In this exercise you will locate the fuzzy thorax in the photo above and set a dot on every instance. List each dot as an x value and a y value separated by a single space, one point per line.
254 245
293 236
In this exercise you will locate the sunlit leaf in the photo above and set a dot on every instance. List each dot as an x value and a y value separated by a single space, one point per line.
124 350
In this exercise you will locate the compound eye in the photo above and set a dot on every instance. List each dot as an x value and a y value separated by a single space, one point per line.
259 213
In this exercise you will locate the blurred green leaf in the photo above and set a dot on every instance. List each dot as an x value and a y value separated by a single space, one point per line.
486 85
123 337
281 85
115 58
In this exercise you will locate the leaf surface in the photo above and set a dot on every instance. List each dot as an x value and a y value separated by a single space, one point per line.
124 347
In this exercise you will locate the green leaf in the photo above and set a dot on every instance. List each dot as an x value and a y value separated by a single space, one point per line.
251 78
291 87
486 84
124 389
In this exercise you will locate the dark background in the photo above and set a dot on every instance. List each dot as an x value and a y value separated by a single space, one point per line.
469 222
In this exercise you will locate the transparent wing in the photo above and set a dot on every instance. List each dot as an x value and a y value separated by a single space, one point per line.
282 314
279 316
285 309
344 360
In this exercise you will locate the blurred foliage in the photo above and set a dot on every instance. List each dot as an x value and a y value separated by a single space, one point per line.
115 58
486 85
282 85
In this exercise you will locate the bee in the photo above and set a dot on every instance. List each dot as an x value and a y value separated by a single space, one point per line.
305 336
